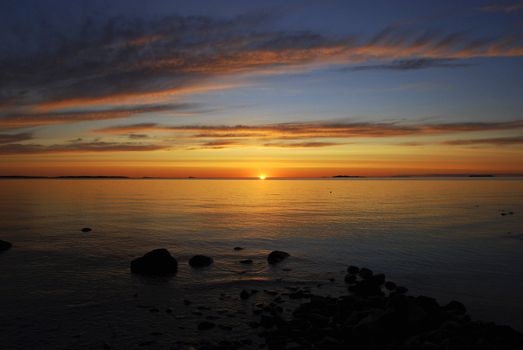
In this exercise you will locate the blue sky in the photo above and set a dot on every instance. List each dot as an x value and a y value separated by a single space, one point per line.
151 81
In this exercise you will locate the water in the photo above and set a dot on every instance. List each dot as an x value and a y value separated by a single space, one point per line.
60 288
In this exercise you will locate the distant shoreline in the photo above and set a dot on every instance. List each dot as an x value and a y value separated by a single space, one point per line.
336 177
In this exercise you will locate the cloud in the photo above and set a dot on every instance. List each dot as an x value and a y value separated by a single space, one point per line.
76 147
301 135
507 8
11 138
138 136
290 131
411 64
302 144
26 120
499 141
149 59
218 144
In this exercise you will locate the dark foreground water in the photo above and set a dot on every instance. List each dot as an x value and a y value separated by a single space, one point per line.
61 288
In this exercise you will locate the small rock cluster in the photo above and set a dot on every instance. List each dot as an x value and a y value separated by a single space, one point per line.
161 262
377 314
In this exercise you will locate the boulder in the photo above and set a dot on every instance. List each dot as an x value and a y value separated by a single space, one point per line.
390 285
246 261
353 270
86 229
238 248
4 245
198 261
277 256
456 306
350 278
156 262
365 273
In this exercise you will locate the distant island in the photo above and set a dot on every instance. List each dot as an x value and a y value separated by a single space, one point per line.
348 176
62 177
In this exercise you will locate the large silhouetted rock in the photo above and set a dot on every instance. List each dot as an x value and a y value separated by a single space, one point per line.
277 256
4 245
156 262
200 261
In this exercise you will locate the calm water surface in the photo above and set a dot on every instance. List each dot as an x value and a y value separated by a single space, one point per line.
60 288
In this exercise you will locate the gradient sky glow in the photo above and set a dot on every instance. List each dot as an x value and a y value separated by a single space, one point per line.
240 88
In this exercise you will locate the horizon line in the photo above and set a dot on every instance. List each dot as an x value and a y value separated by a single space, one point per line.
334 177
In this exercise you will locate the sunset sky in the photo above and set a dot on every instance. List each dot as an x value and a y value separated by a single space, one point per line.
241 88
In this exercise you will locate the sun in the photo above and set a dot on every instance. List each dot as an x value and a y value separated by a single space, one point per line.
262 176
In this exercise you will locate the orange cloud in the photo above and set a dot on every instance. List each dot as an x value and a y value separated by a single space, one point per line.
76 147
290 131
17 121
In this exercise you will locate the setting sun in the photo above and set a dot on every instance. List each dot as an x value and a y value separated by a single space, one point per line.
262 176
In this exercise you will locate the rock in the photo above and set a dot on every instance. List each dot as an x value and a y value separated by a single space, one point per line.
245 295
277 256
4 245
246 261
378 278
87 229
350 278
366 288
456 307
156 262
401 290
371 319
198 261
205 326
365 273
353 270
390 285
238 248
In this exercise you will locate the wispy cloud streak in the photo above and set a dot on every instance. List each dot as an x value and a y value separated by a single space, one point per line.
146 59
26 120
76 147
507 8
499 141
11 138
318 130
411 64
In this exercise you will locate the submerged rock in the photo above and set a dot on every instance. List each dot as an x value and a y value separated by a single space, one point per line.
4 245
277 256
200 261
156 262
245 294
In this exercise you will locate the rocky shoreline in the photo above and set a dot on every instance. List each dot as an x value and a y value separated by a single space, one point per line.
372 314
367 312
